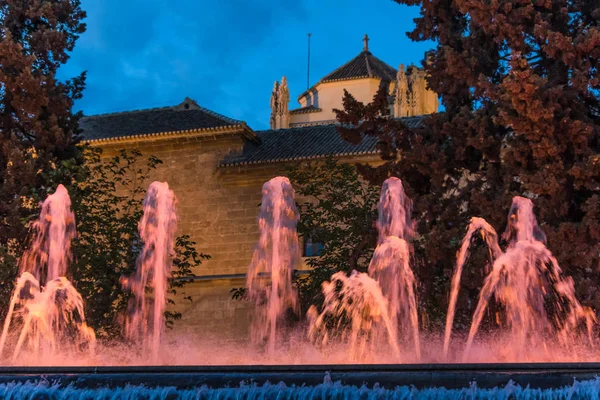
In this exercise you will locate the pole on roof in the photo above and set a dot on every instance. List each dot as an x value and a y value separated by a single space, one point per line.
308 69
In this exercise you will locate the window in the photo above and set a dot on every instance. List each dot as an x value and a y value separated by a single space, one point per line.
312 249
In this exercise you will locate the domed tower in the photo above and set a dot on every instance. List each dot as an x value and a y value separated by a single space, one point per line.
362 76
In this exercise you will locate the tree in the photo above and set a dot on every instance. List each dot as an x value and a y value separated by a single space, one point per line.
38 150
339 211
37 126
520 86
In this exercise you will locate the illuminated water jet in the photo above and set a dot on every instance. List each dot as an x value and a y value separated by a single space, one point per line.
357 309
489 235
47 309
269 279
394 211
390 265
380 306
145 323
50 252
390 268
540 305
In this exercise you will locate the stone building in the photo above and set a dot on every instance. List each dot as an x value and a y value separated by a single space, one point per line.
216 166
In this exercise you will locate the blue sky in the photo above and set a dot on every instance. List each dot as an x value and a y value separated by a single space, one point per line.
227 54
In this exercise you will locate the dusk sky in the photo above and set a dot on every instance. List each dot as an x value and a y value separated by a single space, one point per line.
226 55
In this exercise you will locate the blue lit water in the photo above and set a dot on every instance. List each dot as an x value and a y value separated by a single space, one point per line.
327 390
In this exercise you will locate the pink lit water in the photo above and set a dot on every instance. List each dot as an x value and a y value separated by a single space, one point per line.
391 263
145 323
46 313
358 298
528 282
46 322
394 211
490 236
381 306
269 279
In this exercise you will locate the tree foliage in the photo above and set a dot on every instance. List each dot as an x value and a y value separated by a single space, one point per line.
520 86
37 126
339 211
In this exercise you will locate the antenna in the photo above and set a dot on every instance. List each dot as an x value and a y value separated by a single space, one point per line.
308 69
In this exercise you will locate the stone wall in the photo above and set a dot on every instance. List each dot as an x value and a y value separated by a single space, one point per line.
219 216
218 208
329 97
212 313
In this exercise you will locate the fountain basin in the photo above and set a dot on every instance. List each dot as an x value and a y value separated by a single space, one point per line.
449 376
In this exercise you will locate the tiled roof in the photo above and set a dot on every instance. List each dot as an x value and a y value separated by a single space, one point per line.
185 117
364 65
305 110
303 143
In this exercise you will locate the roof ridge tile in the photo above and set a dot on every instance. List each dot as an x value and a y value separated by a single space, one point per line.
369 70
111 114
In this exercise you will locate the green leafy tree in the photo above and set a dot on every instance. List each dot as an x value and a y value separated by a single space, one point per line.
520 86
339 211
108 207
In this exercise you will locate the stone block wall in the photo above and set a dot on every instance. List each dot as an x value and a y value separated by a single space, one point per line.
218 208
212 313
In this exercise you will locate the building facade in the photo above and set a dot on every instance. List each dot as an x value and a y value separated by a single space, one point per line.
216 166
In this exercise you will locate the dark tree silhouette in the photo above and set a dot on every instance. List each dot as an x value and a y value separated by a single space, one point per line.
520 85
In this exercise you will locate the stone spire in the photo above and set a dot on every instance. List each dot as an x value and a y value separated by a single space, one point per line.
414 82
366 42
401 103
284 100
280 98
412 95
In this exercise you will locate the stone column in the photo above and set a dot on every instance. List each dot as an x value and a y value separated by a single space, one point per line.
274 105
401 101
283 105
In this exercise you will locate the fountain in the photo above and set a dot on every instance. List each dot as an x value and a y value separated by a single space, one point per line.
390 265
48 309
269 279
490 236
146 320
382 303
358 311
367 317
540 305
395 209
390 268
50 251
